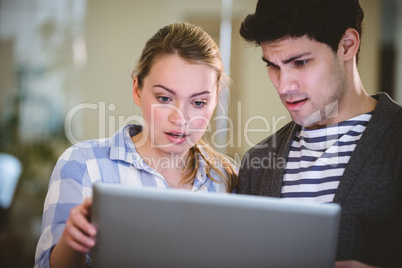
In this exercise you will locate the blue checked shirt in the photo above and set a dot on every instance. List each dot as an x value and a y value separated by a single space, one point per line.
112 160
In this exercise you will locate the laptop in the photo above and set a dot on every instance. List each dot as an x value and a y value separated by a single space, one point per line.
149 227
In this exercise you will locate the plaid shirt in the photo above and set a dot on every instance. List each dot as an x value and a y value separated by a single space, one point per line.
112 160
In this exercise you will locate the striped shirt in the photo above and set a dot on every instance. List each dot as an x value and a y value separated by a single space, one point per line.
318 157
113 160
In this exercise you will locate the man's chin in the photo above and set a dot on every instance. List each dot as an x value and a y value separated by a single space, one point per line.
309 122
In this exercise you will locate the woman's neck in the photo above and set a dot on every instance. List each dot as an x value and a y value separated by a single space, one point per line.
171 166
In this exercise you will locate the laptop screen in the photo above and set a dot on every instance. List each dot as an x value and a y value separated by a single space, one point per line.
148 227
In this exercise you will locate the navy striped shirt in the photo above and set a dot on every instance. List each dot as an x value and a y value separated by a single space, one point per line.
318 157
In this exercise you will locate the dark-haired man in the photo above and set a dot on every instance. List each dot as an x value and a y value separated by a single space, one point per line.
343 145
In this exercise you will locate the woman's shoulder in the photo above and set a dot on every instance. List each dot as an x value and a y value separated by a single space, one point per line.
218 164
218 159
100 148
87 149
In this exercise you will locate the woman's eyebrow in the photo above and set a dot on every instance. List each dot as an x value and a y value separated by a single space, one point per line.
174 92
200 93
165 88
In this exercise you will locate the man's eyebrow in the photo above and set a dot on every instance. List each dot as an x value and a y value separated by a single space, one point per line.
288 60
267 61
174 93
296 57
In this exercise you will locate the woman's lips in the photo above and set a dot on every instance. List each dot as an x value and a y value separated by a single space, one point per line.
176 137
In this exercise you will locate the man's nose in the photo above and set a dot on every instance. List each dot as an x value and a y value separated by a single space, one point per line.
286 83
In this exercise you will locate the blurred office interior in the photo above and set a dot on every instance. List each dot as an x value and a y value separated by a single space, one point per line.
65 70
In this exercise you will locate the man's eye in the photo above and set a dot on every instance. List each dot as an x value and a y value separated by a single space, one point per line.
164 99
301 62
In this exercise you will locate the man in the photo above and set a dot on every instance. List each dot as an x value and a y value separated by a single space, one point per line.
343 145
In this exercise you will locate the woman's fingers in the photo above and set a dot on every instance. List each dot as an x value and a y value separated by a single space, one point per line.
77 240
79 232
80 217
86 206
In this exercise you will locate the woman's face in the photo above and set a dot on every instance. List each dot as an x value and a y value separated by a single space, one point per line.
177 101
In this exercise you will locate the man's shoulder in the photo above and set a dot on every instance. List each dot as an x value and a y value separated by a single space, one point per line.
273 141
388 113
386 103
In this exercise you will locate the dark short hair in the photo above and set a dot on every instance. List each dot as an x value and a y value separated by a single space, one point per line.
322 20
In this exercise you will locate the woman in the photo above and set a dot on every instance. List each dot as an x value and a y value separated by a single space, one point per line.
176 84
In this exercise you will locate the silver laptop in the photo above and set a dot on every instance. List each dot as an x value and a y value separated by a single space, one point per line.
148 227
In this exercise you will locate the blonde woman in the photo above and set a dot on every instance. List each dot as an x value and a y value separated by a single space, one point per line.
176 84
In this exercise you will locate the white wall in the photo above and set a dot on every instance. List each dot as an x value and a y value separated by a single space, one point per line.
116 32
369 55
115 35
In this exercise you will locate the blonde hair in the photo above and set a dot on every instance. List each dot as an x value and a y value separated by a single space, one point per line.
194 45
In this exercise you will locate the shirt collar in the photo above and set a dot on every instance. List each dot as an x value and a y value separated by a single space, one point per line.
201 175
122 148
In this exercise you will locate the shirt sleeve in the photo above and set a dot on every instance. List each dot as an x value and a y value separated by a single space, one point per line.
68 186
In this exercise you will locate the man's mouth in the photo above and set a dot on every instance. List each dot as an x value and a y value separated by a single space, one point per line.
295 104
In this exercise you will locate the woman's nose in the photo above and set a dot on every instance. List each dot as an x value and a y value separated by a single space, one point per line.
177 116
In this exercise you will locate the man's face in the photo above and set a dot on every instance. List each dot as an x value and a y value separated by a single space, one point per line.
309 78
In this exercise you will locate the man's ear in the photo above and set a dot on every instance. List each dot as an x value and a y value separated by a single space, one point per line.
136 92
350 44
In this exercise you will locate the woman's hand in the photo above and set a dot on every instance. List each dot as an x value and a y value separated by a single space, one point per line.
77 238
79 232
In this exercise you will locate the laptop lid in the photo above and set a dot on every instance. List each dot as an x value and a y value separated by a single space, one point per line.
148 227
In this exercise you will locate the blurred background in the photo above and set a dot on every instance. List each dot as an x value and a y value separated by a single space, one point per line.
65 70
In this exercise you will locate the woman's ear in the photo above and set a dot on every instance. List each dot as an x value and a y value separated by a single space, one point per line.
350 44
136 92
218 94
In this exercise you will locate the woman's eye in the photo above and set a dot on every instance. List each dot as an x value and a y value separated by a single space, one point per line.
164 99
199 104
